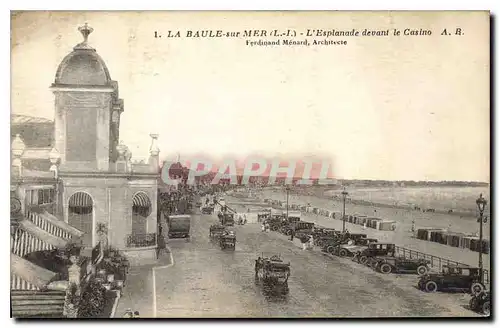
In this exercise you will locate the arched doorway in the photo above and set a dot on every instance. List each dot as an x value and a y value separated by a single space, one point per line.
141 209
81 215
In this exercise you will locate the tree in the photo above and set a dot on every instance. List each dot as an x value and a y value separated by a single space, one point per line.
102 235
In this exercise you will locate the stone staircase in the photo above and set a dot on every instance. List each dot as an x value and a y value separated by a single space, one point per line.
37 231
37 304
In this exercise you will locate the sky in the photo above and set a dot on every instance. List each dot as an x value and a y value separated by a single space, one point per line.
392 108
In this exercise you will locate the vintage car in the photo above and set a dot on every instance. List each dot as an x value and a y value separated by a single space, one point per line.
226 219
207 209
481 303
275 222
452 278
330 243
272 270
373 250
216 230
353 246
288 223
227 240
179 226
391 264
301 228
320 232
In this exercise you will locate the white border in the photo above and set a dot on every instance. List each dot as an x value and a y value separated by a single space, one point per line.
492 5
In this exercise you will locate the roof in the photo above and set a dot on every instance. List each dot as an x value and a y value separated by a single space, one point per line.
83 66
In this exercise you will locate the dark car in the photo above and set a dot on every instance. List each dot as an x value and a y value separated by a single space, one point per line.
272 270
452 278
216 230
227 219
390 264
481 303
227 240
288 224
320 233
207 210
302 228
374 250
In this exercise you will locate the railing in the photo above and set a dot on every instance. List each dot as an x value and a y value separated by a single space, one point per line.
141 240
435 261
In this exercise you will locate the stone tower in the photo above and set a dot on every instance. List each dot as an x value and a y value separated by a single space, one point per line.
87 110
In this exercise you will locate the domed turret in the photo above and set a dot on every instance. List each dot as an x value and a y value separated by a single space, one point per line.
83 66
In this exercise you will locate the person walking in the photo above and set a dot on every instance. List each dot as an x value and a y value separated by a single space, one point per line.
161 245
304 239
292 234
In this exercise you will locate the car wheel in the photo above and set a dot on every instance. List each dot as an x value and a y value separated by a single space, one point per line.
486 308
422 270
476 288
431 287
330 249
363 259
385 268
473 303
343 252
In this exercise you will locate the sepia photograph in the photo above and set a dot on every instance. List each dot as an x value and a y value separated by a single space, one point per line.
250 164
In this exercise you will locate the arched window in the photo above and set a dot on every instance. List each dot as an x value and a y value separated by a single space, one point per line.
80 215
141 209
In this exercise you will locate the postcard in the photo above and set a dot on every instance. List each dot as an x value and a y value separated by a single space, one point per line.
245 164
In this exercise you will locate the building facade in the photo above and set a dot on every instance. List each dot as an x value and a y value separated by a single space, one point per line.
92 184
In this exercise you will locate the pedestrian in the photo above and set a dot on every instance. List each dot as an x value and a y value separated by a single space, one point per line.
161 247
263 226
304 239
292 234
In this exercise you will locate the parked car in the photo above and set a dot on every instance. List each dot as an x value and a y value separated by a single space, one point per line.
453 277
390 264
374 250
353 246
481 303
302 228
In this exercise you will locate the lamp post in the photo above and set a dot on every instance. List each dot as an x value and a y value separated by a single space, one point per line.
344 195
481 204
287 192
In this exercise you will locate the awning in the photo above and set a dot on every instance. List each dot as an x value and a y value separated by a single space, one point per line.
30 272
141 200
80 199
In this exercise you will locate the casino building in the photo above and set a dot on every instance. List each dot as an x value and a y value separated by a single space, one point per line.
71 178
